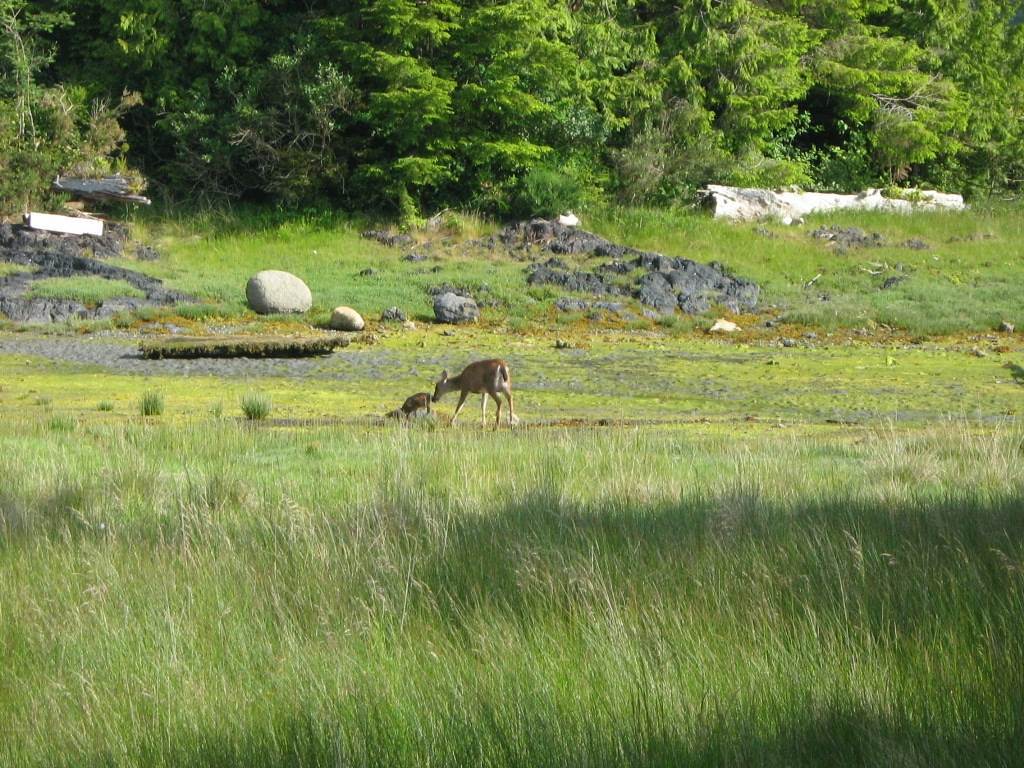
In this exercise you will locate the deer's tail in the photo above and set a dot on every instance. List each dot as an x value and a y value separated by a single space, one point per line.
503 372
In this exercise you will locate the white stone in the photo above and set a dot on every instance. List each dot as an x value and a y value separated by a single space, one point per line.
569 219
272 291
723 326
346 319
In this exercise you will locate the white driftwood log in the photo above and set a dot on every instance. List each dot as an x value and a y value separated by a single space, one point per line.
115 187
745 204
69 225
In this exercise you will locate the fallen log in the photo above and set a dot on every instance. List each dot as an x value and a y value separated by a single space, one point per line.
115 187
744 204
240 346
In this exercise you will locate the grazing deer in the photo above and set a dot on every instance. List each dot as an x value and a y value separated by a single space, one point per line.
417 402
484 377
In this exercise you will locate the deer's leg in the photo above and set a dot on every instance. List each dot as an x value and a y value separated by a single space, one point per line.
497 415
483 409
511 415
462 402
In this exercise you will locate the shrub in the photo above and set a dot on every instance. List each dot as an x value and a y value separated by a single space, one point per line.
256 406
105 406
548 191
151 404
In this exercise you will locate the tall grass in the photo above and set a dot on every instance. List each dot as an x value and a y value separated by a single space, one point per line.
206 595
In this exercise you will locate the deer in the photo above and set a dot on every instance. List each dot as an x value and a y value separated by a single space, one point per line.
419 401
484 377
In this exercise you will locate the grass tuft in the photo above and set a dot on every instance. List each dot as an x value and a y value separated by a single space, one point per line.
151 403
256 406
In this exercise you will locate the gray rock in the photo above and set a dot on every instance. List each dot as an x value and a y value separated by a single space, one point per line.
393 315
570 304
346 319
452 308
275 292
656 291
892 282
789 342
1007 327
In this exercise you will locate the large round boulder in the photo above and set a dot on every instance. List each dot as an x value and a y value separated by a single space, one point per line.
452 308
346 319
274 292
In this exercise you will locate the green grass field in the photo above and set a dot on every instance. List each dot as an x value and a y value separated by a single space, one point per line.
212 595
694 550
966 280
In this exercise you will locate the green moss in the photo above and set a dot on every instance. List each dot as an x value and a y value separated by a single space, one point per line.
91 291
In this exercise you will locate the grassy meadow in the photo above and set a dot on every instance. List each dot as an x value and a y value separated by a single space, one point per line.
798 545
208 594
967 279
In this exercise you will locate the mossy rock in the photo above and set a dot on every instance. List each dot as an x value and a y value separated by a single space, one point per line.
240 346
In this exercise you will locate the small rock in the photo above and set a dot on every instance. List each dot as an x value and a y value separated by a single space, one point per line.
368 272
393 315
146 253
977 352
346 319
414 257
770 323
810 335
915 245
723 326
892 282
273 291
570 304
388 238
569 219
1006 327
409 325
452 308
563 344
448 332
789 342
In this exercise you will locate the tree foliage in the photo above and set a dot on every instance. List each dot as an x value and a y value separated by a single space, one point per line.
404 105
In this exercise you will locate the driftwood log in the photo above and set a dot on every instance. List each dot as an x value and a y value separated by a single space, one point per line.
115 187
789 207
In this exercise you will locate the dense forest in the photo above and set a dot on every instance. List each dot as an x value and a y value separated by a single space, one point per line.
404 106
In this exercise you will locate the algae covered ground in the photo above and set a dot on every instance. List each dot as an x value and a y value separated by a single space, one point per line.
802 544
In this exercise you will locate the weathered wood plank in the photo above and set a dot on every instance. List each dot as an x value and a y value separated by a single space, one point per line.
115 187
70 225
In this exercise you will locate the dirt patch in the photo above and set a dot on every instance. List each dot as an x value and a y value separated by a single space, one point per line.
49 255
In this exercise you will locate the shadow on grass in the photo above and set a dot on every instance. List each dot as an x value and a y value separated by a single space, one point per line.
937 575
1017 371
545 554
836 736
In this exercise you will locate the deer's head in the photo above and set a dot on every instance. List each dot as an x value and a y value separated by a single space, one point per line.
442 387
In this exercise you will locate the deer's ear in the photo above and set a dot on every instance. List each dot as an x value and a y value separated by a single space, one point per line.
444 375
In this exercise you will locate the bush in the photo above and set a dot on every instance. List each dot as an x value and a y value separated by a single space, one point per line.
106 406
151 404
256 406
548 191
